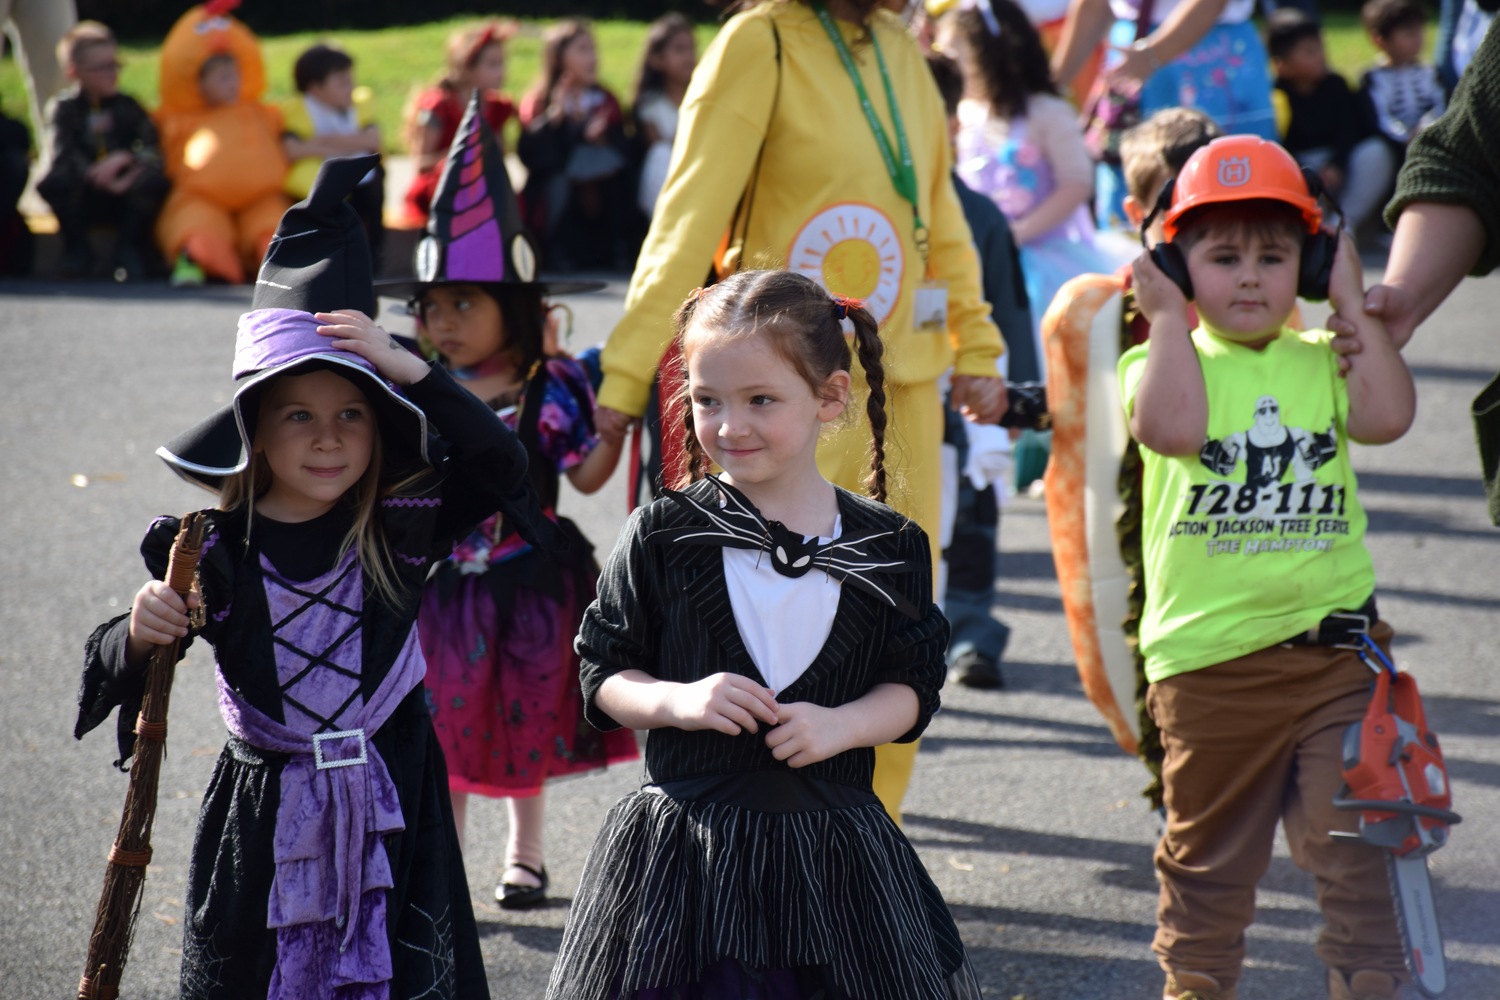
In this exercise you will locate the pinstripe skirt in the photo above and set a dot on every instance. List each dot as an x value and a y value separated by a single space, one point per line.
766 886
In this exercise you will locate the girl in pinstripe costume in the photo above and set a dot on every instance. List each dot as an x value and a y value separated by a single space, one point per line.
769 629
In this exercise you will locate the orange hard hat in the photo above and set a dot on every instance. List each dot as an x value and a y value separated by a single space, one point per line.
1240 168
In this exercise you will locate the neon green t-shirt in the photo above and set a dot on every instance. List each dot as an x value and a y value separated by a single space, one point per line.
1261 535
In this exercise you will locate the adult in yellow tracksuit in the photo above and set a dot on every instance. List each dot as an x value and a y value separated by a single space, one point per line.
825 204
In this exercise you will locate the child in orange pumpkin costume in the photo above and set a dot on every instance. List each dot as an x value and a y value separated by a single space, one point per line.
221 147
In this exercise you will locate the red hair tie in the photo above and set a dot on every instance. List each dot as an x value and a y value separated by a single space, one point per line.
845 305
494 31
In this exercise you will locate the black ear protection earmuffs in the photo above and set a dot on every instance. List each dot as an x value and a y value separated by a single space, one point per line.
1318 248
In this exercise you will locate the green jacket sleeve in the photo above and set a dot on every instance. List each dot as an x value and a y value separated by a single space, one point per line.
1454 161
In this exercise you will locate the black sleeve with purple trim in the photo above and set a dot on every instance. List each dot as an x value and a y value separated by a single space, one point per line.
108 680
483 465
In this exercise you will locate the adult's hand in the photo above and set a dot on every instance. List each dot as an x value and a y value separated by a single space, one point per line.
981 398
612 425
1435 245
1134 68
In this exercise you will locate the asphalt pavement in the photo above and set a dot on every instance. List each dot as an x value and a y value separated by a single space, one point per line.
1022 808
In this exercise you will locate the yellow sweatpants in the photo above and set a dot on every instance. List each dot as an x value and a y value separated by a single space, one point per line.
914 486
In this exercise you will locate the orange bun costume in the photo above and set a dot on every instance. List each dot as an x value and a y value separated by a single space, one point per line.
226 162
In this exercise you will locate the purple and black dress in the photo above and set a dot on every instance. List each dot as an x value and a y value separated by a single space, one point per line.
326 861
498 621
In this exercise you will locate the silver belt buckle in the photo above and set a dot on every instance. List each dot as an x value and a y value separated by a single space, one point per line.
1363 622
344 734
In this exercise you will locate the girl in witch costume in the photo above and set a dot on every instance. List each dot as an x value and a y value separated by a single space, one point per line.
769 629
326 863
498 617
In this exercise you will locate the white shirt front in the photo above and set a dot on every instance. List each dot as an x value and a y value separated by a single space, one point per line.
783 621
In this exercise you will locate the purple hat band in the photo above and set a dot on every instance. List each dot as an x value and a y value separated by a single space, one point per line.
274 338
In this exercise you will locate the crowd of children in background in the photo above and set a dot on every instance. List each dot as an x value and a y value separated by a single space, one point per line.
206 209
593 166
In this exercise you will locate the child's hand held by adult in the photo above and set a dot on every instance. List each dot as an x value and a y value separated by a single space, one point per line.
725 702
612 425
353 331
1346 283
1396 306
981 398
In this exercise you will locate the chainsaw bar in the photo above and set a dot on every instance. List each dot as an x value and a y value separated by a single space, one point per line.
1416 917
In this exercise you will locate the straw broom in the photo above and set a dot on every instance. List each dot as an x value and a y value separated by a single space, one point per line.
120 901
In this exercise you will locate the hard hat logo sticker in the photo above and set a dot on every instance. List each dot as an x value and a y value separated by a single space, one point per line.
1234 171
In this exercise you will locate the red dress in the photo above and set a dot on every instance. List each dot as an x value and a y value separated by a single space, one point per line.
498 620
441 107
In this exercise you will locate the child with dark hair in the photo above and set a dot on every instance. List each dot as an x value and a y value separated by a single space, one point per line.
574 147
1403 94
106 163
1019 143
334 118
769 629
499 616
1327 130
979 639
1252 641
667 66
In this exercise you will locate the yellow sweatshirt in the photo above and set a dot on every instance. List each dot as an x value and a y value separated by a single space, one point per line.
298 122
824 203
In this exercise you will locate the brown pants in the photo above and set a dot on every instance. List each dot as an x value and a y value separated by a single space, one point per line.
1249 742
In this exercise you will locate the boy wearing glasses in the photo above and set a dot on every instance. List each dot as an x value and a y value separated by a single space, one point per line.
107 163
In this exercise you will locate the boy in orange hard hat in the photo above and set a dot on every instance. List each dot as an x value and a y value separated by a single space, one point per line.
1258 581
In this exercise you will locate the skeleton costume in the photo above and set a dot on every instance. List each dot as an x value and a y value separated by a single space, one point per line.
730 873
326 862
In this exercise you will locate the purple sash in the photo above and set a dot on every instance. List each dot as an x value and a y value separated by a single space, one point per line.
337 801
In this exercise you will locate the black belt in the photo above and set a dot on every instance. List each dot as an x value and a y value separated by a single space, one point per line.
1338 628
774 791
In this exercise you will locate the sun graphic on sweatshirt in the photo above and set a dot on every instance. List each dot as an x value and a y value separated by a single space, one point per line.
852 249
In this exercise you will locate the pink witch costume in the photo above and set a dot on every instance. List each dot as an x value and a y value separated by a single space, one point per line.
326 862
498 618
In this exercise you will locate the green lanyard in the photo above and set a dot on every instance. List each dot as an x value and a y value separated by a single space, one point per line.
903 175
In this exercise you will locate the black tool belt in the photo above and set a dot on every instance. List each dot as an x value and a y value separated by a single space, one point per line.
1339 628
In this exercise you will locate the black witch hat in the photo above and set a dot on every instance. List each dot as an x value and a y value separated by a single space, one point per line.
318 261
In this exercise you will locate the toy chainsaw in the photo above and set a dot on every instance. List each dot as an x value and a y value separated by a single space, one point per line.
1396 779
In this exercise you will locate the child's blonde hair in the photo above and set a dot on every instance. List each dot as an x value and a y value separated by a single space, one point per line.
79 39
1156 150
804 326
240 491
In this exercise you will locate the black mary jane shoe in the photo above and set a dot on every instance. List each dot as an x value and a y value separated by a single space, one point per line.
511 896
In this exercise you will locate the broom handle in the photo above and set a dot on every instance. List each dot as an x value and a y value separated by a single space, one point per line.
109 941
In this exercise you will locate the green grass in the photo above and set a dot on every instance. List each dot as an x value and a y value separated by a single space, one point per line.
396 62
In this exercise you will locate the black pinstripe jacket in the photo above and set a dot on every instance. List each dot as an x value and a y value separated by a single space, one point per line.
664 609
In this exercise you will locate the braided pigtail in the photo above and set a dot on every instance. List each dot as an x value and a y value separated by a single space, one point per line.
682 400
697 463
868 346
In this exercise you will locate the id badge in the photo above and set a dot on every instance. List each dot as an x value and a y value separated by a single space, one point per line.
930 309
